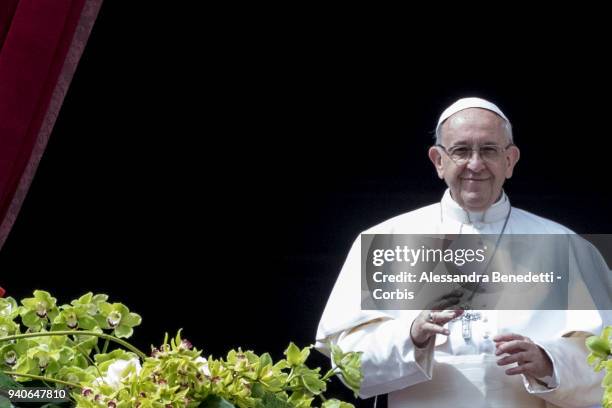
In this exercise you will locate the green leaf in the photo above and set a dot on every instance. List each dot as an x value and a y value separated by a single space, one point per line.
300 399
131 319
258 390
214 401
30 319
123 331
606 333
598 345
87 322
607 381
5 403
86 298
334 403
337 354
281 365
118 354
294 355
350 367
7 382
265 359
272 401
313 383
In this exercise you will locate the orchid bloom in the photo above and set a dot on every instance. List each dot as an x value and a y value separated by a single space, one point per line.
119 371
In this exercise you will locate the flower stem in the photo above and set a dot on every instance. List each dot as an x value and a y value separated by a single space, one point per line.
93 363
330 373
290 376
123 343
105 346
41 378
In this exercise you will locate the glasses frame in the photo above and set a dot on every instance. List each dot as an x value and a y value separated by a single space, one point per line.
472 150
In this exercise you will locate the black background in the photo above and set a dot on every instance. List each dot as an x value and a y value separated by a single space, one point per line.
211 170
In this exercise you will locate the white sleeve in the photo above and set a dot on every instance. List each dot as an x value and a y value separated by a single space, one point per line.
535 385
390 360
578 385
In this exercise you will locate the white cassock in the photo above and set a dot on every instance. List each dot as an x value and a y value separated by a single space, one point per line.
454 372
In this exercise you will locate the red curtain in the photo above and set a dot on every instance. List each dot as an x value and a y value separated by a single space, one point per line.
41 42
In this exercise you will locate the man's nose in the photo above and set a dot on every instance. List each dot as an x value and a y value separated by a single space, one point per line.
475 163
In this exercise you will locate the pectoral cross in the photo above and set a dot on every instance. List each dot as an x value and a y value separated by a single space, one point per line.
466 323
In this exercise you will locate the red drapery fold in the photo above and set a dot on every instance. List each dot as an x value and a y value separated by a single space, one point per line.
41 42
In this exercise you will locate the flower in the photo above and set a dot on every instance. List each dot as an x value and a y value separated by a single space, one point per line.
7 326
38 310
89 304
119 372
8 308
204 365
599 347
73 317
119 318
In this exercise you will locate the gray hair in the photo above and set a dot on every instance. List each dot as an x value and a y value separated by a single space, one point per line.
507 127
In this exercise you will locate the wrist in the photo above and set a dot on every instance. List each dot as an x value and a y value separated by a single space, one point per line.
548 364
417 342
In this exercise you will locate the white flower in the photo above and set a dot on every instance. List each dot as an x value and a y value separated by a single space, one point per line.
204 367
120 371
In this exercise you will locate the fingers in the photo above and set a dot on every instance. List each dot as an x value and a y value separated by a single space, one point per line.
528 356
444 316
430 323
508 337
519 358
522 369
432 328
513 346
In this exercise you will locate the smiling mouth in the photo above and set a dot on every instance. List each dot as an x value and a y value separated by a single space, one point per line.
474 179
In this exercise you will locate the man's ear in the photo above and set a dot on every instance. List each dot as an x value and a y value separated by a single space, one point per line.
436 158
512 157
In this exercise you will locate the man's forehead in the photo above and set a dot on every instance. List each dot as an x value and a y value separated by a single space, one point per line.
470 123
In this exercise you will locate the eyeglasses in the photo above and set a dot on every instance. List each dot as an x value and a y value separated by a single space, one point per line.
462 154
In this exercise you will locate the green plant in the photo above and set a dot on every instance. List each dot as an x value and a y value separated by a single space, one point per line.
43 344
599 359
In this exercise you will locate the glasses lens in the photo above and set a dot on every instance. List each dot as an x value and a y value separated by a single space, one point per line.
489 152
462 154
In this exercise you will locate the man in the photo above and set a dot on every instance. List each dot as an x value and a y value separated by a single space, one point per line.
508 358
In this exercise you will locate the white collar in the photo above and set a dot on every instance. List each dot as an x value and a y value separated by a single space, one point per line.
497 212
